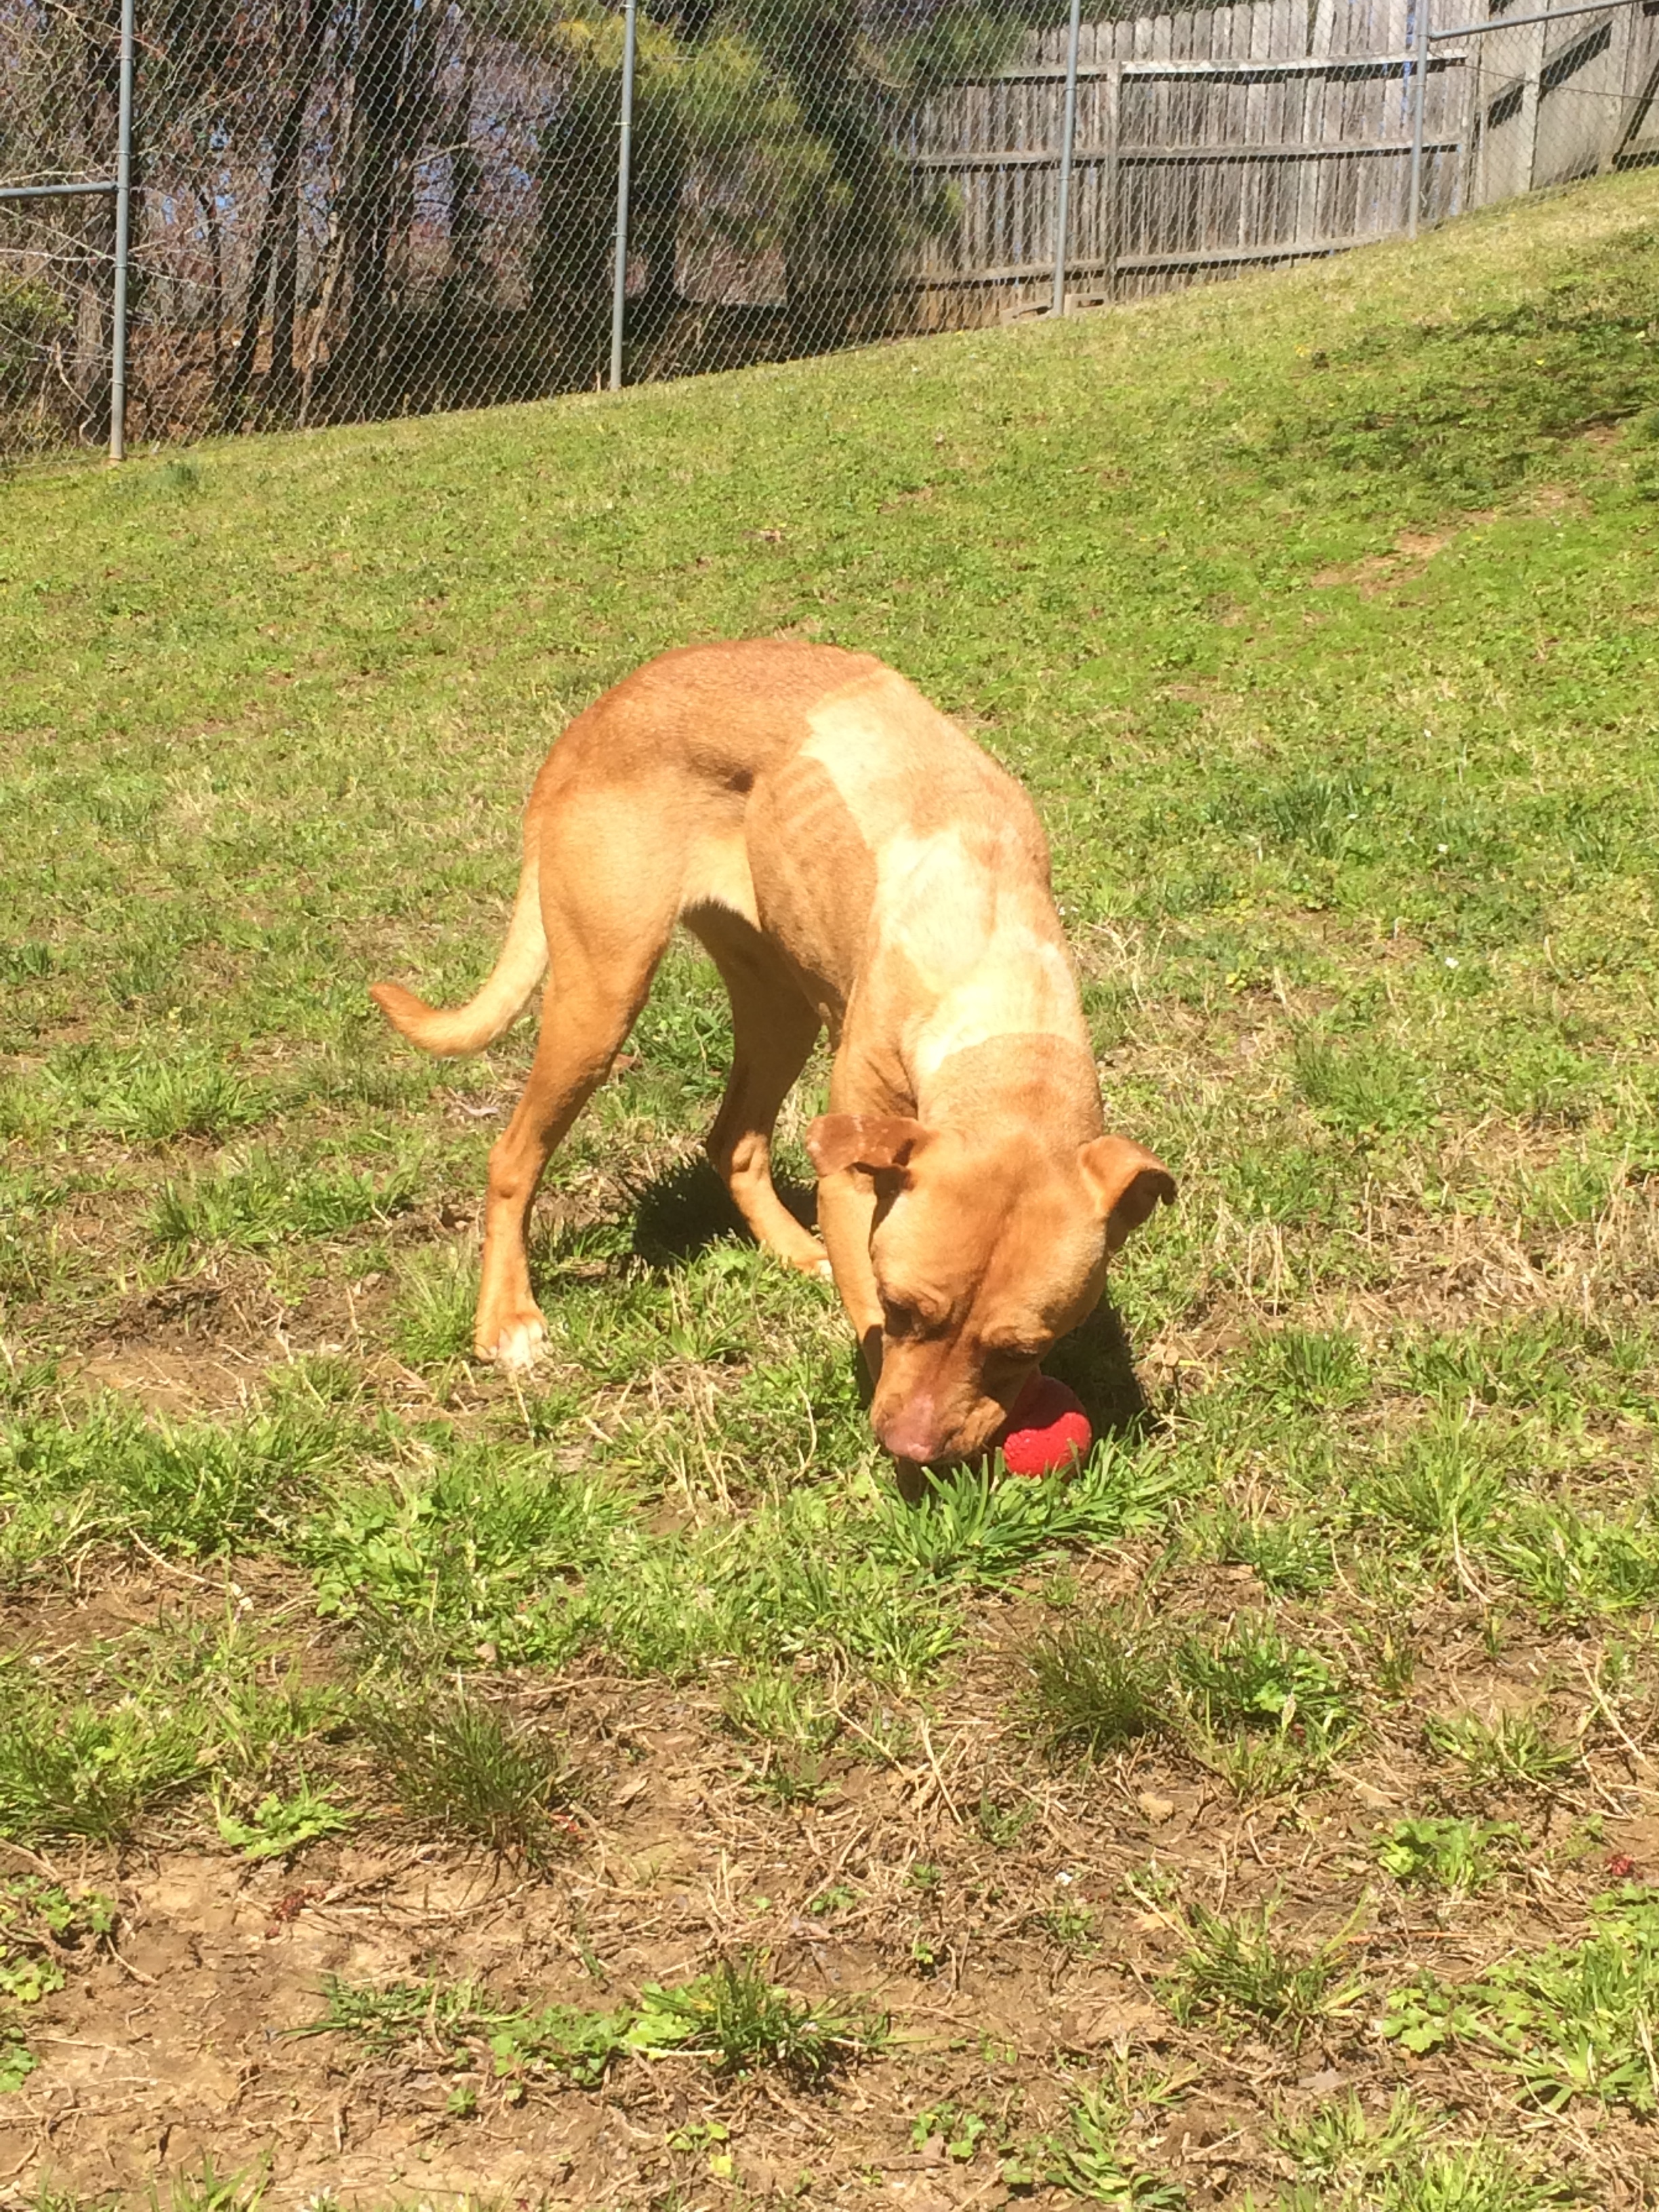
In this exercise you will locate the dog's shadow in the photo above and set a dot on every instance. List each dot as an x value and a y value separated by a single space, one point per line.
685 1211
680 1214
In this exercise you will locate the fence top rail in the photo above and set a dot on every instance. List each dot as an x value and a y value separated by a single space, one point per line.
1235 65
54 191
1296 65
1543 15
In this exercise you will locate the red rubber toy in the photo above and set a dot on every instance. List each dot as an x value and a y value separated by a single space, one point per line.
1047 1430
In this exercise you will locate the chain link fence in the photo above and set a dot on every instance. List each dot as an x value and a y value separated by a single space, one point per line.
346 210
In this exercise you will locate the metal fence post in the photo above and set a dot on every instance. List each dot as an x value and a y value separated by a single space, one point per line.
117 357
1420 89
624 156
1067 146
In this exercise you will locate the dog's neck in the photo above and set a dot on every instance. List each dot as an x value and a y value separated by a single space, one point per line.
1021 1080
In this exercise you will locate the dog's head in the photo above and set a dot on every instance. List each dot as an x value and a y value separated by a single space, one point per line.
986 1251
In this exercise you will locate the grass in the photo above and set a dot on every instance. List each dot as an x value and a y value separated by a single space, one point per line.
46 1932
1512 1750
739 2019
1570 2022
1245 1700
1350 2159
732 2016
1432 1851
1092 2155
1095 1685
1240 1969
460 1769
1317 613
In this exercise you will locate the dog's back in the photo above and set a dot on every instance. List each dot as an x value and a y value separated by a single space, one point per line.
795 785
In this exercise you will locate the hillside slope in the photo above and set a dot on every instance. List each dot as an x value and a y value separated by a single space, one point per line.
381 1698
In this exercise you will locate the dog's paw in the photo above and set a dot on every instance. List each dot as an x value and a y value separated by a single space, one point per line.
517 1346
810 1258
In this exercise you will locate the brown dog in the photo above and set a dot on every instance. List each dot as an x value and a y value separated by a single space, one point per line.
852 862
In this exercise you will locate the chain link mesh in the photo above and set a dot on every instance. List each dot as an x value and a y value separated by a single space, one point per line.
348 210
59 81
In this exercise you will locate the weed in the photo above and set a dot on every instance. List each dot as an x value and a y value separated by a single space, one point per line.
564 2039
774 1706
1362 1092
440 2014
735 2016
464 1770
1250 1677
1094 1685
1445 1484
472 1551
1362 2162
1479 2176
1090 2154
793 1728
1393 1656
838 1897
1343 2141
75 1771
957 2129
1003 1827
1239 1970
196 1488
42 1927
1511 1751
1439 1852
210 2190
278 1826
1069 1927
1575 1563
1292 1556
1319 1368
974 1526
1571 2021
155 1103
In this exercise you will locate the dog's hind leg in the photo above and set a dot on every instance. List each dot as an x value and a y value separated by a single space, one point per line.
609 903
773 1030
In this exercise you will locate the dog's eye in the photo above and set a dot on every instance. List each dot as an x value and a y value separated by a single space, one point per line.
897 1318
1013 1355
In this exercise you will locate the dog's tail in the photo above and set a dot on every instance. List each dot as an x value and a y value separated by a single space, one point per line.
452 1031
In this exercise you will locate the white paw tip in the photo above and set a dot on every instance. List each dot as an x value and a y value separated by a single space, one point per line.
517 1349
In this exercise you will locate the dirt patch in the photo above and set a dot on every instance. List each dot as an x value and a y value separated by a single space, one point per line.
1010 1968
1406 559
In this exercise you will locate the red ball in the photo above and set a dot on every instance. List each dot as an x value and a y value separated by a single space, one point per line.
1047 1430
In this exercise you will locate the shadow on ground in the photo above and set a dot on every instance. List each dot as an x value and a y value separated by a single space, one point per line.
682 1213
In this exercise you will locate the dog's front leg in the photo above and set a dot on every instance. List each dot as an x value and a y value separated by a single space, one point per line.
847 1214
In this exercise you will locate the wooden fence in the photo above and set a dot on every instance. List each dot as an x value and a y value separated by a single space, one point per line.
1215 141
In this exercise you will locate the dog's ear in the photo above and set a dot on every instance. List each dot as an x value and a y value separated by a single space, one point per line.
1127 1182
871 1141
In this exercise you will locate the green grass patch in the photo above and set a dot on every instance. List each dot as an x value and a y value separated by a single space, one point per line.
460 1769
1239 1970
1440 1851
1572 2021
1318 614
733 2017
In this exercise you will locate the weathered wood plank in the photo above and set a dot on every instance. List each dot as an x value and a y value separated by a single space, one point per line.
1271 130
